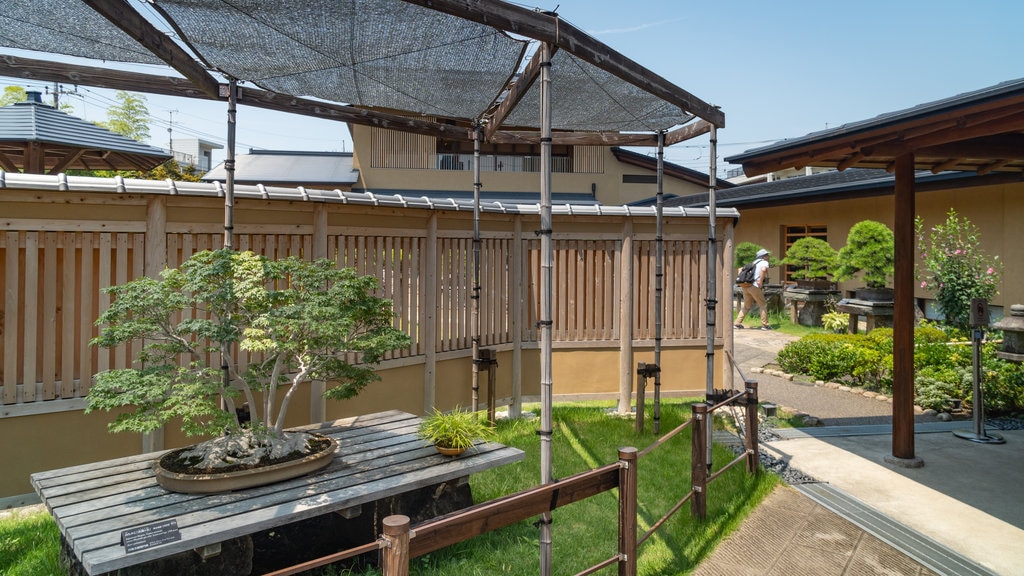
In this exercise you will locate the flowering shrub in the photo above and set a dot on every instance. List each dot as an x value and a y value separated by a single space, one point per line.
954 268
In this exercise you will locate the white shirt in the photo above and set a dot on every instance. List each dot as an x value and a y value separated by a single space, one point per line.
760 271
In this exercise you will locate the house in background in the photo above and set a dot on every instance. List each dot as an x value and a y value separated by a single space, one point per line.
327 170
389 162
194 152
392 162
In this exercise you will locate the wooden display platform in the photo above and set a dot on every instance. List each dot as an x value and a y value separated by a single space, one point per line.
96 506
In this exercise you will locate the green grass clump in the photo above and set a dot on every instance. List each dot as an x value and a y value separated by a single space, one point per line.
29 544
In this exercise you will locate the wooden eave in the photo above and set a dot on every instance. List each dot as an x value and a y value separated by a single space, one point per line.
43 157
979 138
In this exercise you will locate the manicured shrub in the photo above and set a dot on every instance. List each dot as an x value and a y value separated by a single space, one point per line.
943 369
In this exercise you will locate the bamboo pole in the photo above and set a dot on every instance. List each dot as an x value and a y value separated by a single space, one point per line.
659 280
475 296
712 285
547 255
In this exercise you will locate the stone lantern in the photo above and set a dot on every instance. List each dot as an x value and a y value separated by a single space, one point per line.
1013 334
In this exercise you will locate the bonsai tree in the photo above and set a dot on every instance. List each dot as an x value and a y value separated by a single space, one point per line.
745 252
301 321
813 258
870 250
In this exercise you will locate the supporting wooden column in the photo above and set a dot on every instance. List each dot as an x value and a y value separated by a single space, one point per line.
429 311
155 261
626 318
317 405
903 318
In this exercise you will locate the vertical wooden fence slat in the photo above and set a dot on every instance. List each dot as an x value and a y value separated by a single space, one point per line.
120 277
70 315
12 282
88 296
103 358
30 308
610 290
49 358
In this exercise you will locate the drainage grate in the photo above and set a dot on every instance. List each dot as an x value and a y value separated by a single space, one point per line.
922 549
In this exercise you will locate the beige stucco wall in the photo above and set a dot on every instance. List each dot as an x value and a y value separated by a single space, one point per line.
608 185
998 212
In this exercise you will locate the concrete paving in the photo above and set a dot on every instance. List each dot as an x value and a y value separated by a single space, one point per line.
961 513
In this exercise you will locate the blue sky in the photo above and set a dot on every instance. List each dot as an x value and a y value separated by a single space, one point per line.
778 69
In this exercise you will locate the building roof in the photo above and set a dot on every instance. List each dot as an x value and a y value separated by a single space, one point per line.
672 170
831 185
290 168
36 137
980 131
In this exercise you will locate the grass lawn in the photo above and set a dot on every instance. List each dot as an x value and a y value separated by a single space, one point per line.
585 436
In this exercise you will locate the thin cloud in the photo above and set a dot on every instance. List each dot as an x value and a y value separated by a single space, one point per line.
636 28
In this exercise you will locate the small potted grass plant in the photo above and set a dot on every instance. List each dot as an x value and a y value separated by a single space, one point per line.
452 433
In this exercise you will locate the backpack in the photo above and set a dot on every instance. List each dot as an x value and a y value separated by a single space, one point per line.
746 275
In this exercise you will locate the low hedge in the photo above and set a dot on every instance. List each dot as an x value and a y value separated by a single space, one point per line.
943 369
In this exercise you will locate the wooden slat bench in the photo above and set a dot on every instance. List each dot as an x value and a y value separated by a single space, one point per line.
380 456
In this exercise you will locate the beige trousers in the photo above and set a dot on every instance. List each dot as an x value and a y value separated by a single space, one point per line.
751 295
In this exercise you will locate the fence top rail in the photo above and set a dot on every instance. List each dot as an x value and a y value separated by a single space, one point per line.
120 185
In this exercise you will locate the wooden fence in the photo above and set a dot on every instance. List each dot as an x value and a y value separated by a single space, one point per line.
399 542
60 249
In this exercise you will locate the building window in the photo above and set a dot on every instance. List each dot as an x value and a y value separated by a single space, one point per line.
793 232
456 155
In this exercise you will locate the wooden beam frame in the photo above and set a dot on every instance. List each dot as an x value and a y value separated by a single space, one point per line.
547 27
122 15
519 89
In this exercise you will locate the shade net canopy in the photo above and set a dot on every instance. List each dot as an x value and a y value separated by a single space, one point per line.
392 56
584 97
68 27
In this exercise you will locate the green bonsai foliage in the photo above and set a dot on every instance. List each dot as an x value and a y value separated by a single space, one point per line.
870 250
745 252
814 258
300 320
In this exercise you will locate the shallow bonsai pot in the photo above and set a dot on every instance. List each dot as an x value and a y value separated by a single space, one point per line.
449 451
228 481
874 294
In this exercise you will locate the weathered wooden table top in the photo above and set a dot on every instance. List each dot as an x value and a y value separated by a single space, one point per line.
380 455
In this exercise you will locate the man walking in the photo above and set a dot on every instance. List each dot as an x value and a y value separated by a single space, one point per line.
753 292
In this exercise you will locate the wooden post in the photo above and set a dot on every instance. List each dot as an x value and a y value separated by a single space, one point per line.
752 450
628 458
396 552
698 461
489 358
903 316
626 317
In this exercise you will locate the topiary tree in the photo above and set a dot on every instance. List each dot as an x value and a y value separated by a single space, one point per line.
745 252
870 250
302 321
814 258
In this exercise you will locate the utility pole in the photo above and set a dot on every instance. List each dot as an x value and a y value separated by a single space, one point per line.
170 127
